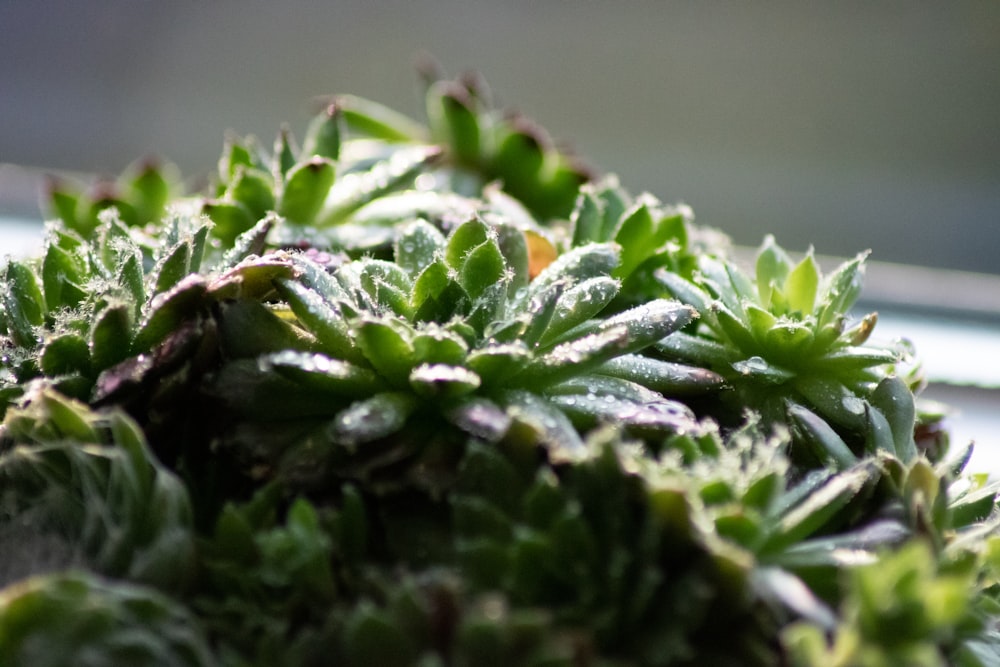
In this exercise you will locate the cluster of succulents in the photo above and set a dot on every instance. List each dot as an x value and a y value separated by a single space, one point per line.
440 395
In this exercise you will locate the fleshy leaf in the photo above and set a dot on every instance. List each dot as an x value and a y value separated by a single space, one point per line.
373 418
801 285
323 137
773 267
578 304
546 424
354 190
821 505
443 381
324 374
417 246
668 378
305 190
388 348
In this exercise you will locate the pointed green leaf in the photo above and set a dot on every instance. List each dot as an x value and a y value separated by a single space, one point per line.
324 374
878 436
760 322
305 192
250 242
236 153
171 267
372 418
516 247
773 267
801 285
644 324
974 506
725 283
849 360
316 277
467 236
788 341
489 308
64 354
733 328
443 381
495 363
536 420
646 419
285 155
589 261
130 275
23 303
742 287
167 310
436 345
408 205
323 136
323 319
587 219
483 267
387 284
641 236
436 295
63 277
115 240
518 159
855 547
149 191
668 378
453 121
374 120
820 437
895 401
578 304
254 190
603 385
354 190
820 506
417 246
840 290
111 335
198 240
614 201
683 290
575 356
64 203
539 311
697 350
637 239
833 400
249 328
388 347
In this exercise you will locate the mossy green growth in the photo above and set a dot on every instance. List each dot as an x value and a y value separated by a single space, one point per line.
437 395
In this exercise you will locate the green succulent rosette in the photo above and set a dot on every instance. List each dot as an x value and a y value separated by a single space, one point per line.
438 395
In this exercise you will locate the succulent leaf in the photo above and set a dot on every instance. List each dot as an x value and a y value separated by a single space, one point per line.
429 395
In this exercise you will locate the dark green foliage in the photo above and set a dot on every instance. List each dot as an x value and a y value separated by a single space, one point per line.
431 396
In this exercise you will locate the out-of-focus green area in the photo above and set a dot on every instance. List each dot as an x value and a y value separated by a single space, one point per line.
847 126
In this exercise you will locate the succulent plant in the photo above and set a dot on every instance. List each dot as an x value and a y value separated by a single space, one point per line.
440 396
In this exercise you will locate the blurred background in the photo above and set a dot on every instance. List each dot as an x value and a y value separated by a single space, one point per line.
841 125
846 125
